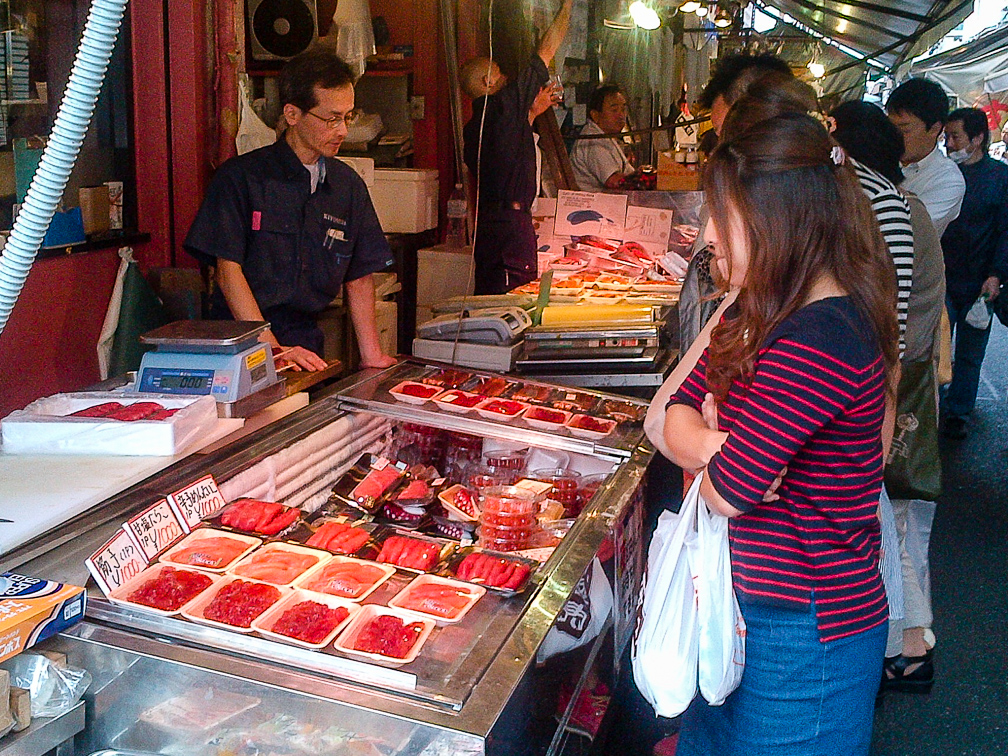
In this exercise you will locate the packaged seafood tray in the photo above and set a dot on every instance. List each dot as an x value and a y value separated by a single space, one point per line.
385 635
197 713
346 578
233 603
109 423
367 484
163 589
490 386
411 552
210 549
413 392
279 563
312 620
408 506
591 427
508 574
447 378
441 599
254 517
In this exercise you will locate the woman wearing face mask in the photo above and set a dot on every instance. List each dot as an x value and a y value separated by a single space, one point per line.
976 257
784 414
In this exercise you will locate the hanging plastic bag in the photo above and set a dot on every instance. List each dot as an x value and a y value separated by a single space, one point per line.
721 628
252 132
54 689
665 649
979 315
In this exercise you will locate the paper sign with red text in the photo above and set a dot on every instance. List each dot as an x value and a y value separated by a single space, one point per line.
118 561
196 501
154 529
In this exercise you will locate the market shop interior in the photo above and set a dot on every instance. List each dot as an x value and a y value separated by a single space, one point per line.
341 341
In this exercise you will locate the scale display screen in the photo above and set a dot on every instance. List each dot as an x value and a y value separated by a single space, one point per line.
176 381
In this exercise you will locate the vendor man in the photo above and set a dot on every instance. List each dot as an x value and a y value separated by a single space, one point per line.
286 226
601 164
500 153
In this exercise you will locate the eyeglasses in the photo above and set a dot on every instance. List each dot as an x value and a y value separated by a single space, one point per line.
335 121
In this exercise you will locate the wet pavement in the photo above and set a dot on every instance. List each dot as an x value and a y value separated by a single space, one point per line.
966 714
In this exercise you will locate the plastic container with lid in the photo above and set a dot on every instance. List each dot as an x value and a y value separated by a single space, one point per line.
565 487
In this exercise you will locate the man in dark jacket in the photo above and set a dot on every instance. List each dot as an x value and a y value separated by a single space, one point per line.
500 153
976 256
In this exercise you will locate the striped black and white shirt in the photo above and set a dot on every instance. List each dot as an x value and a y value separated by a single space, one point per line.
893 214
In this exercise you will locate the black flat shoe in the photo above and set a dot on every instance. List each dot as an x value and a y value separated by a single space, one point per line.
897 678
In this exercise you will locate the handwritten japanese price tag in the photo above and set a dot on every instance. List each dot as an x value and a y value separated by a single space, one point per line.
155 528
196 501
118 561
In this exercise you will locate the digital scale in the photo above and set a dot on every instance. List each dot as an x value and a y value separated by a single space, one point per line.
220 358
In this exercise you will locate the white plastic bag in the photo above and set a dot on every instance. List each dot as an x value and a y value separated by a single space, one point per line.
721 626
979 315
666 643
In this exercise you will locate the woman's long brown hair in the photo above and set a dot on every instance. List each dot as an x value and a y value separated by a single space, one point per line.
803 216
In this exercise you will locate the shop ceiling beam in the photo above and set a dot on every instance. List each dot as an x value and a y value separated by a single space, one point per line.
888 10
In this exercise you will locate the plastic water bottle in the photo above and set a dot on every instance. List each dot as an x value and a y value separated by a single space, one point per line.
456 230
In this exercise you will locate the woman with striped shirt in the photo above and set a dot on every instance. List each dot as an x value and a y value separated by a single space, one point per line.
784 412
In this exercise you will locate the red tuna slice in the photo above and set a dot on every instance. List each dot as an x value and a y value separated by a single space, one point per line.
276 566
415 491
97 410
240 602
375 483
135 411
440 600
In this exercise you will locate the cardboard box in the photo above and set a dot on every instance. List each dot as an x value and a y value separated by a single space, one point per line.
32 609
677 177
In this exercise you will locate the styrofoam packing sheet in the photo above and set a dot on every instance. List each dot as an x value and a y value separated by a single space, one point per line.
301 474
305 486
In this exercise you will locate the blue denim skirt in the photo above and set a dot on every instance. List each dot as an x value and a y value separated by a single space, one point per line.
798 696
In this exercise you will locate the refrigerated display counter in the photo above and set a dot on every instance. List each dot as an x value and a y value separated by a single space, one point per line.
504 679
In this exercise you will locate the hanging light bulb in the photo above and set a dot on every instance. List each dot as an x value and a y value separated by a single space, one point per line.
818 70
701 11
722 18
644 16
689 6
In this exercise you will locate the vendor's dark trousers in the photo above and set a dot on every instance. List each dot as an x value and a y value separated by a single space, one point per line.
970 347
505 251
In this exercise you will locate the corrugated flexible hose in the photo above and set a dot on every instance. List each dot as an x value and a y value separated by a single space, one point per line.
60 154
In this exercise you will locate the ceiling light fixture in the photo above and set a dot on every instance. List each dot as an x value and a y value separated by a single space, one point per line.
722 18
644 16
689 6
701 11
818 70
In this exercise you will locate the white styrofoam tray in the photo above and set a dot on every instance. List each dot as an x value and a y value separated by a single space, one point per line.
44 428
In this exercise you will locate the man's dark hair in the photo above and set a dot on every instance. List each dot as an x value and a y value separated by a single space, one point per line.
868 136
922 98
734 73
974 123
314 68
597 101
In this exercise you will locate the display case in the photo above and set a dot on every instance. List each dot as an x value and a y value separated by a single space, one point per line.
503 679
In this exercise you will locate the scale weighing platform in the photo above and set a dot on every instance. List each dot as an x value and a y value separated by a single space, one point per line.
222 358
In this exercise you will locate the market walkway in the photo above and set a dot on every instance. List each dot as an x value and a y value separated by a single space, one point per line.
966 713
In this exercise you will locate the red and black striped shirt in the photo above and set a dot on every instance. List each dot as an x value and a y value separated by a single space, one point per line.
815 404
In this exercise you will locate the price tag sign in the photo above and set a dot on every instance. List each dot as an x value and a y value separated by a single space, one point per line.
196 501
118 561
154 529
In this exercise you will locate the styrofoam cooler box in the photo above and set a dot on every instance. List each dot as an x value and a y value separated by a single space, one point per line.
406 199
43 427
443 272
363 167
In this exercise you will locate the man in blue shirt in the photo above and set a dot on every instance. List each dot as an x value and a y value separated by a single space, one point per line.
975 246
286 226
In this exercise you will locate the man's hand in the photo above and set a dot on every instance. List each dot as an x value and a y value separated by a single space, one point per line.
304 359
379 360
991 287
550 95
